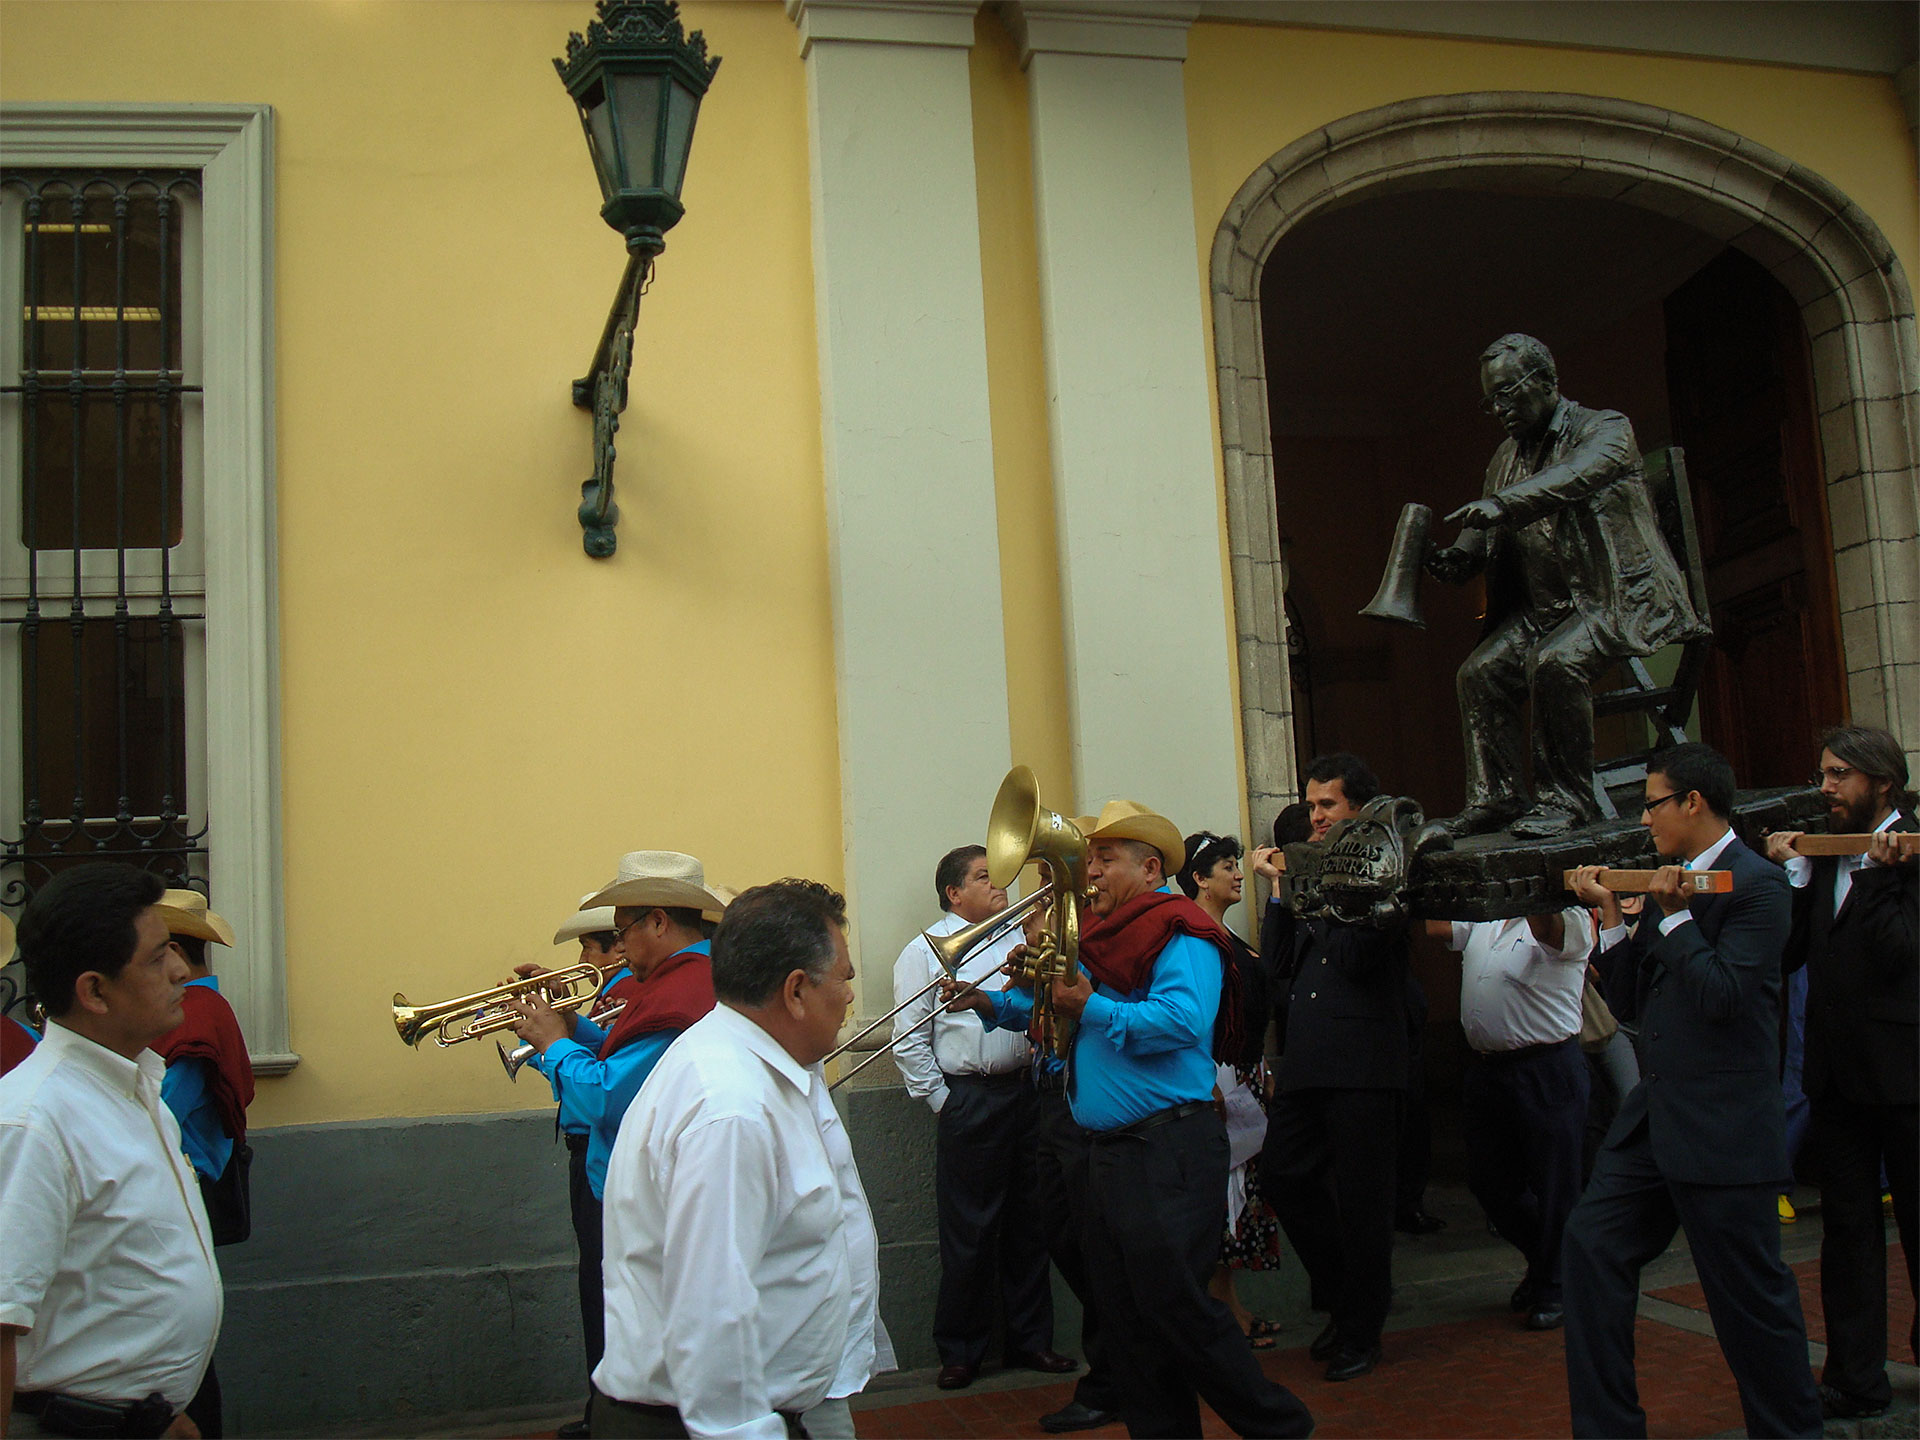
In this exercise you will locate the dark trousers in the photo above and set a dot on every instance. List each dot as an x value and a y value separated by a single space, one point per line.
1063 1150
587 1232
1414 1161
1158 1198
613 1419
1553 667
985 1184
1626 1219
1855 1141
1328 1171
204 1408
1524 1116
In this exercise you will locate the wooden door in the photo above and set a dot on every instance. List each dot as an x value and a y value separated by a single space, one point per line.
1742 397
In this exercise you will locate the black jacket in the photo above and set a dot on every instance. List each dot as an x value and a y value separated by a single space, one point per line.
1707 998
1343 1003
1863 965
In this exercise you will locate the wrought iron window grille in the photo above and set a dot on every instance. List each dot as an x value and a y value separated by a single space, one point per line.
97 630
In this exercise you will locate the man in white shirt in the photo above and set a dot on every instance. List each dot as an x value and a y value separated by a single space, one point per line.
980 1085
110 1299
741 1260
1524 1100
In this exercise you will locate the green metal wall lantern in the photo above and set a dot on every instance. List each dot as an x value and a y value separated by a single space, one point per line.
637 79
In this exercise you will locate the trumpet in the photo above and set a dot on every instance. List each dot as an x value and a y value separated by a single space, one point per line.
468 1017
512 1060
1019 830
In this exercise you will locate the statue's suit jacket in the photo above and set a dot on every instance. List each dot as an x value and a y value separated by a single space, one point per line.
1708 1003
1863 981
1590 488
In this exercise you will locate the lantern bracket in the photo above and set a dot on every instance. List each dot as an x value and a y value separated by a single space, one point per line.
603 392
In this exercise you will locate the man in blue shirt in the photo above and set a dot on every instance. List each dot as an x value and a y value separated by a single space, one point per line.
208 1086
1148 1013
594 927
661 901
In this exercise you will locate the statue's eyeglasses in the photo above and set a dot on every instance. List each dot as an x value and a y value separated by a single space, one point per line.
1503 397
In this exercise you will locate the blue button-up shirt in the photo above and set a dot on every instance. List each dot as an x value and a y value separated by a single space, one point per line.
595 1093
588 1036
189 1095
1135 1054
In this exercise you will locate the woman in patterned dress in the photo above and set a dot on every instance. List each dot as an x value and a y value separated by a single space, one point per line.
1212 880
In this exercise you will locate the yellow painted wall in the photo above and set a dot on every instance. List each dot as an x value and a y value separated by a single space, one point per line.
478 719
1253 90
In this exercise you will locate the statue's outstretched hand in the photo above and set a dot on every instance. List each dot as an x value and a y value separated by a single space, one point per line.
1478 514
1450 566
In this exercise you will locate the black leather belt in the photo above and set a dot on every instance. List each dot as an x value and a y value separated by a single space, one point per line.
1159 1117
1526 1052
665 1419
96 1419
1002 1080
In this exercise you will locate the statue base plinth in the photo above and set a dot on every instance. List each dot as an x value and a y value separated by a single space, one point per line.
1498 876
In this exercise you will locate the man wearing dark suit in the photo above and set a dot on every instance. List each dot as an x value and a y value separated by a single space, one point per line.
1854 930
1701 1141
1333 1128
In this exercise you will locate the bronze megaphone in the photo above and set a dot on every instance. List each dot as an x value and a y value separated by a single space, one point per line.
1398 597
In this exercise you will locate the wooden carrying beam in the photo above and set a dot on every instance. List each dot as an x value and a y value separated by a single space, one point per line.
1625 882
1908 841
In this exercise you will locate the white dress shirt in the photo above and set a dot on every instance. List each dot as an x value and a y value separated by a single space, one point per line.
1800 868
931 1043
733 1216
105 1254
1516 990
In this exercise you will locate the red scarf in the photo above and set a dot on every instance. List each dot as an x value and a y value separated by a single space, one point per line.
677 993
211 1033
16 1043
1119 951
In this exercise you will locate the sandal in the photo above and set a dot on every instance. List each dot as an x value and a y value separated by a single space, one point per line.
1262 1342
1263 1329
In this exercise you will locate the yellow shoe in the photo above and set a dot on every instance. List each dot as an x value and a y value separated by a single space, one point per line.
1787 1217
1886 1202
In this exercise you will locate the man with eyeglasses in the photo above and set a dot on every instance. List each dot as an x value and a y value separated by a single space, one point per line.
1578 577
1701 1141
1856 938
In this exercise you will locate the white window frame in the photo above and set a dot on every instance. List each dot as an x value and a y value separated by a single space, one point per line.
232 148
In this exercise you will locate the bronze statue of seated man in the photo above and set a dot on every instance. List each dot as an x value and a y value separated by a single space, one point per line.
1578 577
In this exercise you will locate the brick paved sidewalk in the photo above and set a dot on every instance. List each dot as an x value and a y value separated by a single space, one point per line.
1457 1364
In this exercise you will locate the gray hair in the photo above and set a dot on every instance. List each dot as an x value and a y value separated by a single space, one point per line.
770 931
1532 355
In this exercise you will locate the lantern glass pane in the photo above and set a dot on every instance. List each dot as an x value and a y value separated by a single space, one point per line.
598 117
682 106
636 105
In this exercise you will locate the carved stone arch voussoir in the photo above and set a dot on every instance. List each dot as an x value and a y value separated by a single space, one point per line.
1830 256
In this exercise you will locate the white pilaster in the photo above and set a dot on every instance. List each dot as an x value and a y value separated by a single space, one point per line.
1149 675
919 649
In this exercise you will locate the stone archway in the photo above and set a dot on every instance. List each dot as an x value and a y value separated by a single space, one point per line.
1832 259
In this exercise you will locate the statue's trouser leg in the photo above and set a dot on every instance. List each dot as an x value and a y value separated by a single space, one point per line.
1492 686
1561 672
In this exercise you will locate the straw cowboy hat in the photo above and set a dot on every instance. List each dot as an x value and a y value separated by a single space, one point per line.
663 878
1128 820
186 913
724 894
585 921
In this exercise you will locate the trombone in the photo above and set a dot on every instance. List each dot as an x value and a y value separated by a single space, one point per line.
1019 830
468 1017
512 1060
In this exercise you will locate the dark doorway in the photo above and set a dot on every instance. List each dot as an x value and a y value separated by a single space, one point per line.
1742 398
1373 318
